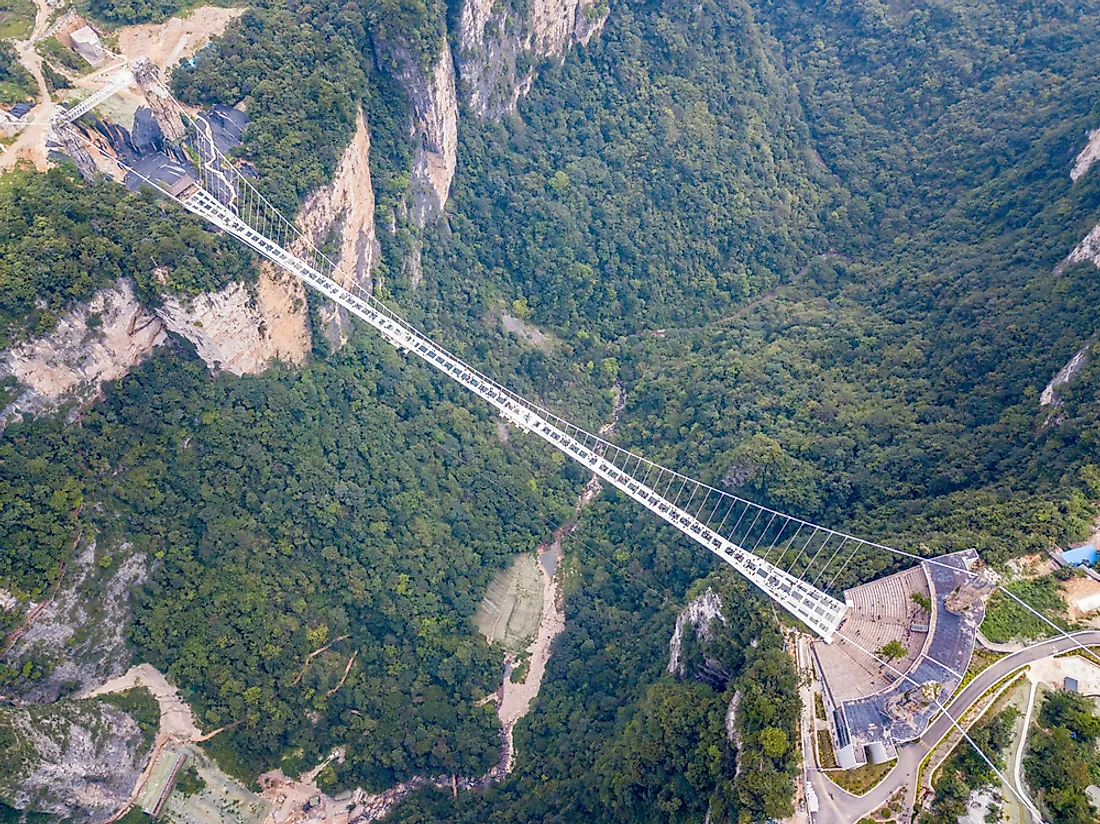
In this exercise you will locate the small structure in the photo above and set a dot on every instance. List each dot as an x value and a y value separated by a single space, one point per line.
20 109
159 784
86 43
1085 554
1070 685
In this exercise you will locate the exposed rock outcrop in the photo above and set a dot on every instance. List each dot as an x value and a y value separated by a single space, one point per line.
98 341
160 101
81 633
1064 376
700 614
1087 250
242 329
76 760
435 127
498 45
347 205
1087 156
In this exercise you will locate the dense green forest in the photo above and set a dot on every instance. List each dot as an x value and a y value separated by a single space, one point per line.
61 240
815 242
891 384
286 512
616 739
1061 757
16 83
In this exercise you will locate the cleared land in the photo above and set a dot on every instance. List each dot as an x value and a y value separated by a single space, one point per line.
509 612
222 801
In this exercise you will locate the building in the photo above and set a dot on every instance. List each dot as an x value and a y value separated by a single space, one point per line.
1085 554
86 43
932 611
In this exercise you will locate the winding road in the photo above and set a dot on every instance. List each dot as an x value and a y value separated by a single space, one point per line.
836 806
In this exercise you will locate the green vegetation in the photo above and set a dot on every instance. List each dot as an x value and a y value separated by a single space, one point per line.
16 19
16 83
54 51
966 770
136 815
819 707
361 513
1006 620
815 242
125 12
1062 758
60 241
660 177
189 782
519 672
894 649
862 779
615 739
825 753
140 705
301 88
869 388
922 601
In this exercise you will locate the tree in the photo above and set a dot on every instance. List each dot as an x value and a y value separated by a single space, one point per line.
894 649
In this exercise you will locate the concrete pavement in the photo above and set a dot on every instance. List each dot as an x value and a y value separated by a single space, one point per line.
837 806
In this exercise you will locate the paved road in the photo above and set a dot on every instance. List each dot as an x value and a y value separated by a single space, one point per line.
840 807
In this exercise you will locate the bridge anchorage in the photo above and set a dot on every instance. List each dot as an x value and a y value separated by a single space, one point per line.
874 704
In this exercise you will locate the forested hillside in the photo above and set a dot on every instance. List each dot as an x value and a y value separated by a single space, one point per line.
816 244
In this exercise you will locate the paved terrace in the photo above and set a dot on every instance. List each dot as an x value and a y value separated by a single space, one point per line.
940 666
880 611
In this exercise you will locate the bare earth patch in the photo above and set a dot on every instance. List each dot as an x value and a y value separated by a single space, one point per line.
176 718
1082 597
176 39
531 334
509 612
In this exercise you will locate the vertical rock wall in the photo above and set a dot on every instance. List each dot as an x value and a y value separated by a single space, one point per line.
434 101
346 206
241 329
98 341
497 44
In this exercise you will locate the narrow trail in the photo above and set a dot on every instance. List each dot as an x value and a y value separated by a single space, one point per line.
514 700
31 142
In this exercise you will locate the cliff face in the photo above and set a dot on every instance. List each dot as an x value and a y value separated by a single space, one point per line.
98 341
243 329
240 329
434 103
498 44
347 205
76 760
81 632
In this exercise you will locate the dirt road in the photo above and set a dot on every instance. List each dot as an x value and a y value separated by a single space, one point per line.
31 142
176 719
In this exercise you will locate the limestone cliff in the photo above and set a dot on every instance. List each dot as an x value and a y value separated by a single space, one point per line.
499 44
98 341
74 760
241 329
434 103
1065 375
79 635
346 206
700 614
